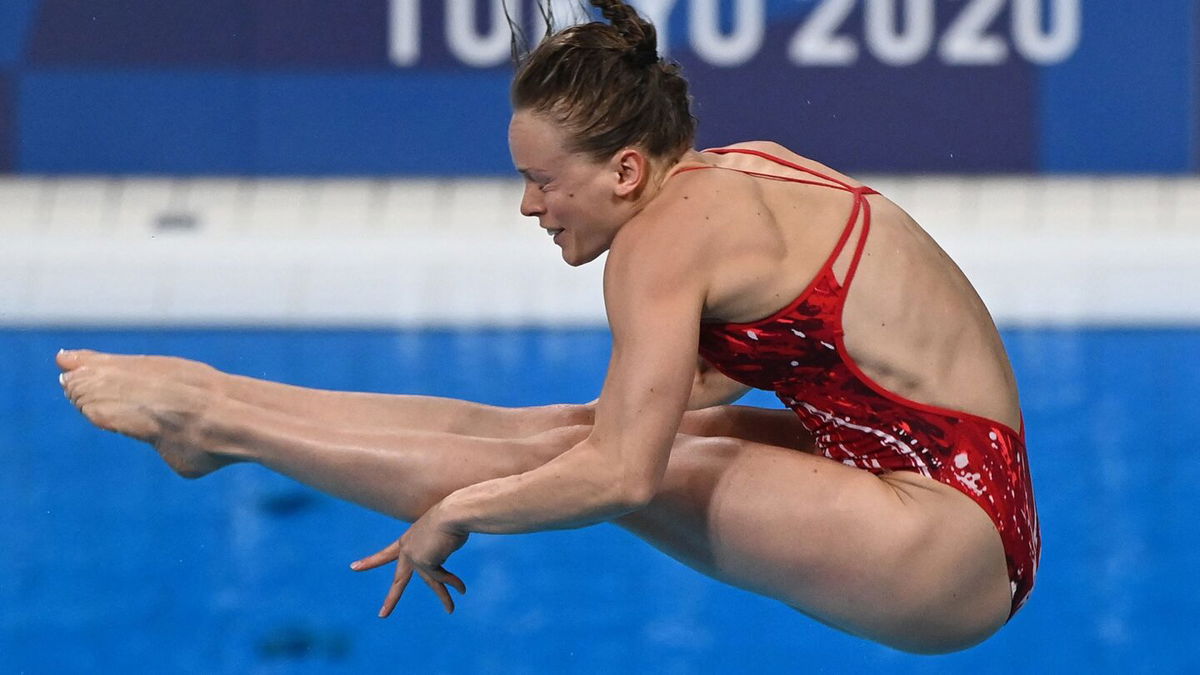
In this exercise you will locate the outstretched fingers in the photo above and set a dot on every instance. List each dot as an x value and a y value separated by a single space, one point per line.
437 578
452 580
404 572
439 589
390 553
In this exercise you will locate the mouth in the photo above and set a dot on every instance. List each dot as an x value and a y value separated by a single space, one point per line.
554 232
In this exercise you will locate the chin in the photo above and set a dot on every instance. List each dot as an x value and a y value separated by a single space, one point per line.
575 258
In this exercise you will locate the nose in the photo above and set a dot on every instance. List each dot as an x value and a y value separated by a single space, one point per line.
531 201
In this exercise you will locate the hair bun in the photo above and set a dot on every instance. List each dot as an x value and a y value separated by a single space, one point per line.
643 55
605 85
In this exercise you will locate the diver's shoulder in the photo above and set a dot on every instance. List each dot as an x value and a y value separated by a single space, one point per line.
767 147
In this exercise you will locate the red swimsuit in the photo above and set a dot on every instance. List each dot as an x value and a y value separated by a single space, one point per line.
800 354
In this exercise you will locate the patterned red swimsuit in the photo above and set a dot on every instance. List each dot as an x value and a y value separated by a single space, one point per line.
799 353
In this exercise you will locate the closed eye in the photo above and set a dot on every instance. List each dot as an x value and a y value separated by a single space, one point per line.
541 182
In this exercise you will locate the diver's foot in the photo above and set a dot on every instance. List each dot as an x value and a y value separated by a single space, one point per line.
158 400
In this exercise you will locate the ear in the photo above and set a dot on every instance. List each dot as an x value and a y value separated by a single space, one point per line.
632 168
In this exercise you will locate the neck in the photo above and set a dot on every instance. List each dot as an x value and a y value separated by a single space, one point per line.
659 175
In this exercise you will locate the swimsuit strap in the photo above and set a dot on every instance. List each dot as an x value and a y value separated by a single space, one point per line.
772 176
860 202
791 165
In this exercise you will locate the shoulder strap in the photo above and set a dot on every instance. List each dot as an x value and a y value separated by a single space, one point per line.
783 162
860 204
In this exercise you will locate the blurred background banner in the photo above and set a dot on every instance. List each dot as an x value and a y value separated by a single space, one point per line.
398 87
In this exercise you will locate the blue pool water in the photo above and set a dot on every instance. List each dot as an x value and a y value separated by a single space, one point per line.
110 563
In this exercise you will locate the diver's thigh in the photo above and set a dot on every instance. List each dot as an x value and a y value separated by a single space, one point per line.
833 541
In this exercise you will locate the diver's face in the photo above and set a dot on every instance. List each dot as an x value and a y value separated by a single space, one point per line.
570 194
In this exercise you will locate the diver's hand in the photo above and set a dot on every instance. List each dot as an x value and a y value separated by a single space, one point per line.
423 549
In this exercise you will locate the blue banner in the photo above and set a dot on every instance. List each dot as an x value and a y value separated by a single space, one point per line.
381 87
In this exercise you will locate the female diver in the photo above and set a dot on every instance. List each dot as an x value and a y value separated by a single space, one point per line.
892 500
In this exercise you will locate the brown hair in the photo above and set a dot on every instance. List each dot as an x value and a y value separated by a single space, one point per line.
606 85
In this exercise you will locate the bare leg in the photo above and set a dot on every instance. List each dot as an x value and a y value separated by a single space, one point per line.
345 409
912 564
383 412
899 559
902 560
403 411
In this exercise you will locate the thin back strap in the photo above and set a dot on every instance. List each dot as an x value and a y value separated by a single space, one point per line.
783 162
837 184
861 205
859 199
760 174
